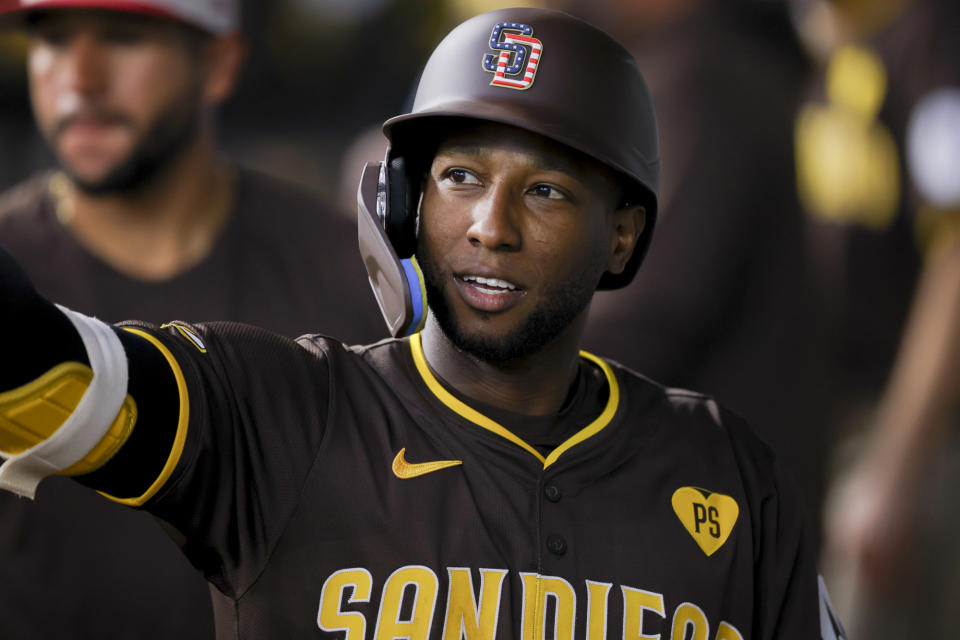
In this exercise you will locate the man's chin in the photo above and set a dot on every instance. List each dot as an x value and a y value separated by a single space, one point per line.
500 345
495 349
94 186
85 180
122 178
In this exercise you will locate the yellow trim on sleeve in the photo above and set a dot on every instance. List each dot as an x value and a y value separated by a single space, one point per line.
182 422
481 420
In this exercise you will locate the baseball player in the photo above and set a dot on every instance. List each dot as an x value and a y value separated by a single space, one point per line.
477 476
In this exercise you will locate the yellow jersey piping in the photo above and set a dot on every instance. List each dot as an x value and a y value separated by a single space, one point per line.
483 421
592 429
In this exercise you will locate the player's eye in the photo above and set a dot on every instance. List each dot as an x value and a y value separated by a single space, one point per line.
548 191
461 176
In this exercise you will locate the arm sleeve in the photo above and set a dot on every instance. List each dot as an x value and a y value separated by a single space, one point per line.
251 410
790 597
786 578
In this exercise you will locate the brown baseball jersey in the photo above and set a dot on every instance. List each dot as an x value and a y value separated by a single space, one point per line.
346 492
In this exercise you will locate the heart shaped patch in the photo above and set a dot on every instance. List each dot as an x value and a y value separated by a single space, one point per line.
708 517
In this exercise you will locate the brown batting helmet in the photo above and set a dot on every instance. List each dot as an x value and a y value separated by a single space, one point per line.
552 74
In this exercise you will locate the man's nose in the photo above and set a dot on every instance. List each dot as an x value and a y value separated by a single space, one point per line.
495 222
85 63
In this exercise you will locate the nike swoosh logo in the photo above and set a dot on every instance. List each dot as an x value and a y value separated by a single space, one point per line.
406 470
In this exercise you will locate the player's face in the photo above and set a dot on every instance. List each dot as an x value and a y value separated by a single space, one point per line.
115 95
515 233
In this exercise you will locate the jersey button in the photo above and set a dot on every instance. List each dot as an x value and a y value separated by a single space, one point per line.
556 544
553 492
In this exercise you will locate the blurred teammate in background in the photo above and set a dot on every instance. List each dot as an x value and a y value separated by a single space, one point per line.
878 150
721 305
144 219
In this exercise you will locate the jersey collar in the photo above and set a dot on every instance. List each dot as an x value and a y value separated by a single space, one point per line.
474 416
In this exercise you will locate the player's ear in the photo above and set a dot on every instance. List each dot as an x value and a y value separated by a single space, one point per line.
628 223
224 57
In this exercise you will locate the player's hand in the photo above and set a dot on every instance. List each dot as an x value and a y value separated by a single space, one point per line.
870 518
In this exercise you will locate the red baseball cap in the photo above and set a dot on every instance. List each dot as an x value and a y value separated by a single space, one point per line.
214 16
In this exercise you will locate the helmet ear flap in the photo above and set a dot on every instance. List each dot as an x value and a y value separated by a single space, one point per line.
400 221
383 230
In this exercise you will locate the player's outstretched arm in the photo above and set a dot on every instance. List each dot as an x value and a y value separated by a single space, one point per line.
65 406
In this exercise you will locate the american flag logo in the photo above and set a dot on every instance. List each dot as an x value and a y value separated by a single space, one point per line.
516 64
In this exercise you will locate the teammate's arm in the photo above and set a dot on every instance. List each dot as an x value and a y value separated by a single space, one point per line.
73 391
870 520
